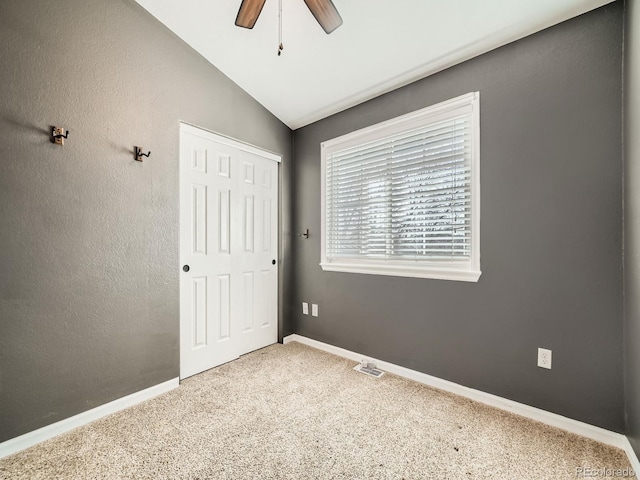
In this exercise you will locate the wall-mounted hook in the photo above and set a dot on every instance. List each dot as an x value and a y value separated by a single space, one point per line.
304 234
59 134
139 154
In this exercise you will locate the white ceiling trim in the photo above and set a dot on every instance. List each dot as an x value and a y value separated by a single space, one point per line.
381 46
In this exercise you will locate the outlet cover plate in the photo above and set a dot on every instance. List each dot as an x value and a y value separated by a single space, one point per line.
305 308
314 309
544 358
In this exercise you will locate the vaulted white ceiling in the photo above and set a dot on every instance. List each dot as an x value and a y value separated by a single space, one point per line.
383 44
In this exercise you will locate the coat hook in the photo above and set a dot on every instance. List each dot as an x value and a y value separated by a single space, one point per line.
59 134
139 154
304 234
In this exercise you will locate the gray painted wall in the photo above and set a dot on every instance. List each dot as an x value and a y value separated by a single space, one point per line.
89 237
551 109
632 224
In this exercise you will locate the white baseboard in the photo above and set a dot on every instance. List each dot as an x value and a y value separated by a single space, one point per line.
27 440
631 454
555 420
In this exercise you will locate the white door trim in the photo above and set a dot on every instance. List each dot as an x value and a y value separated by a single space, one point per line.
232 142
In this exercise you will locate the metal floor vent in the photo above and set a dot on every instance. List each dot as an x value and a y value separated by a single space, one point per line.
368 368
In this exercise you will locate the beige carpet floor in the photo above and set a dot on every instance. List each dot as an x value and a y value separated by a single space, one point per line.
293 412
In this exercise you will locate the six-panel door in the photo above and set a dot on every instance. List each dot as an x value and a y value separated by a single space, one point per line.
228 240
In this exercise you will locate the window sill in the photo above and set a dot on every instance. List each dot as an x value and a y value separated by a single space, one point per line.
433 272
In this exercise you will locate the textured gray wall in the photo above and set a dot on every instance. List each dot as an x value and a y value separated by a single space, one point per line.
632 223
551 231
89 237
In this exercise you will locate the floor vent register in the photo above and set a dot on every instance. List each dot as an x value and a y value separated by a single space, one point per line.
368 368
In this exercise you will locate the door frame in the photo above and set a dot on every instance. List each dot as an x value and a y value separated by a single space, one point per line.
247 147
232 142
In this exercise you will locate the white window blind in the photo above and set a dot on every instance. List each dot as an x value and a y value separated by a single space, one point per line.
399 198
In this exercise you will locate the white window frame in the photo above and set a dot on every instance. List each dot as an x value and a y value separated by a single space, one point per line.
461 270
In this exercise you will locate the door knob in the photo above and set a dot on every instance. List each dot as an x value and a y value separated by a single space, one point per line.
185 268
273 262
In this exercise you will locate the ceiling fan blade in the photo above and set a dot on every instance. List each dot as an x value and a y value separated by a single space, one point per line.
326 14
249 13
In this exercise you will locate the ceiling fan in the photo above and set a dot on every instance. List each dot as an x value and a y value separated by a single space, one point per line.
324 10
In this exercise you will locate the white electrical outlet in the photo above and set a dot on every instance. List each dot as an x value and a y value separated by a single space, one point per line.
544 358
314 309
305 308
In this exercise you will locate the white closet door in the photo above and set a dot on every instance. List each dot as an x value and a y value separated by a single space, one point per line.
228 246
256 264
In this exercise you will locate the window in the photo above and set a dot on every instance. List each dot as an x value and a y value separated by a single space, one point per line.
403 197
